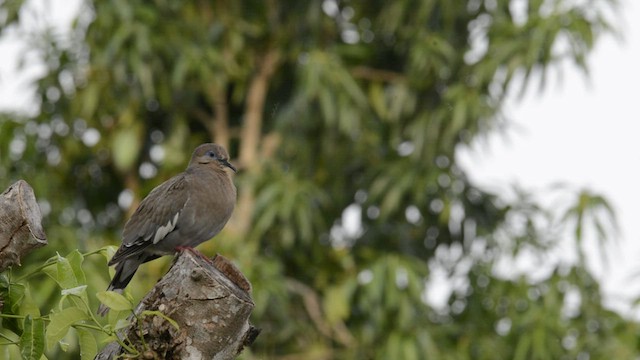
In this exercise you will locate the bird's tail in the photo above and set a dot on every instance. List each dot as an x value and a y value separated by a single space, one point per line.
124 273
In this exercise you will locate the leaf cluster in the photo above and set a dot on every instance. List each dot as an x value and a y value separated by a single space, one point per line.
345 119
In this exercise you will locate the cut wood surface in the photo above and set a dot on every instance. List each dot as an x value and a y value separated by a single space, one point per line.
20 224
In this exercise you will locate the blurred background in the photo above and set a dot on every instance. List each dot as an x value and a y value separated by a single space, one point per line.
417 178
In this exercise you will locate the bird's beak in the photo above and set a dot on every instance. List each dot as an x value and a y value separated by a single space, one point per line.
228 164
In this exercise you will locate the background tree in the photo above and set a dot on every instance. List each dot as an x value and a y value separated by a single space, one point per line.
327 107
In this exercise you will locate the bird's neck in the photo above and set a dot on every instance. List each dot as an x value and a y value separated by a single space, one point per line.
207 171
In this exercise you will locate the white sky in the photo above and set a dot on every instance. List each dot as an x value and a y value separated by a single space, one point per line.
583 133
15 78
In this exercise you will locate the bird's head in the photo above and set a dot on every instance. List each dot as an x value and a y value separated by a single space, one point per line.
211 154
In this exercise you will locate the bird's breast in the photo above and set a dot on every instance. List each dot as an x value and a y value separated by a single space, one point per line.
210 205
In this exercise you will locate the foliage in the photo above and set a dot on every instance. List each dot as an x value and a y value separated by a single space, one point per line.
21 314
332 110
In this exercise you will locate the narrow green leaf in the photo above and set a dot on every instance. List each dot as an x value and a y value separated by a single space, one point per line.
108 252
51 271
114 300
377 100
9 352
32 339
60 322
393 348
88 344
327 106
304 218
458 117
336 304
121 324
522 348
65 276
64 346
77 291
91 98
20 301
160 314
409 350
14 299
125 145
75 261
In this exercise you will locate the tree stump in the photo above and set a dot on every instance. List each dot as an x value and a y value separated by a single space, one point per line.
209 300
20 224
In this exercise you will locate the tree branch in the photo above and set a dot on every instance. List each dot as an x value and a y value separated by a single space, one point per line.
210 303
220 129
251 135
254 108
20 224
368 73
217 124
311 300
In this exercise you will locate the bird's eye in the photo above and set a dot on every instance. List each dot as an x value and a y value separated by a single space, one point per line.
211 154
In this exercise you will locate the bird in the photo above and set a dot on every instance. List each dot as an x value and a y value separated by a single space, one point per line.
182 212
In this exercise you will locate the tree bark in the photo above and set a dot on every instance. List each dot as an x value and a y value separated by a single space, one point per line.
251 136
254 107
220 129
210 302
20 224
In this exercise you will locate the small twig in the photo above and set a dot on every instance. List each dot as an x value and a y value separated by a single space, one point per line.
50 261
367 73
312 305
92 327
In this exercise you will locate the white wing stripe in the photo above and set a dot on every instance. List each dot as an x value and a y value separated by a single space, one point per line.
165 229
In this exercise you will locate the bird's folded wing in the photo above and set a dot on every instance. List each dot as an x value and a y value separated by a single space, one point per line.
154 219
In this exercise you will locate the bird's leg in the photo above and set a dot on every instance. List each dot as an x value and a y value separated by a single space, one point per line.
193 251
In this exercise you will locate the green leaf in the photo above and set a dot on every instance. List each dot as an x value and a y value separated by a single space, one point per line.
68 273
60 322
377 99
88 344
522 347
108 252
125 146
77 291
62 273
75 261
20 301
114 301
64 346
4 281
9 352
160 314
16 295
409 350
121 324
393 346
32 339
336 304
91 99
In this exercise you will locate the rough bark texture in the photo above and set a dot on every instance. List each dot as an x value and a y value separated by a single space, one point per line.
211 303
20 224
